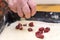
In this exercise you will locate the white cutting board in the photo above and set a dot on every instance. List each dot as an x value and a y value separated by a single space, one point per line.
10 33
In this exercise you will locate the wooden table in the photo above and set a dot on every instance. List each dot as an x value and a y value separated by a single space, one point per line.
49 8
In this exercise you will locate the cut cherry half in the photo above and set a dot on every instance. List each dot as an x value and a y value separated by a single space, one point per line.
30 29
39 32
18 26
41 29
31 24
21 28
47 29
38 35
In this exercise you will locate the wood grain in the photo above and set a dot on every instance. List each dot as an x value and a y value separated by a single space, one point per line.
48 7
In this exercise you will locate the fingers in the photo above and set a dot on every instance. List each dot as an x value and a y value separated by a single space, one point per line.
19 10
32 5
22 7
26 11
12 5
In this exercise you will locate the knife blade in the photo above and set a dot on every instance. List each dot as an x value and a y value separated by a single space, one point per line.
50 17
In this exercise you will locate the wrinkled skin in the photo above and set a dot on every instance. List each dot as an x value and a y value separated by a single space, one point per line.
23 7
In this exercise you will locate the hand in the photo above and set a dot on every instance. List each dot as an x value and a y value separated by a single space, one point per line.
23 7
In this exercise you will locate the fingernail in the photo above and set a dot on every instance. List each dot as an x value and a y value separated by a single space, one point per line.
34 14
27 17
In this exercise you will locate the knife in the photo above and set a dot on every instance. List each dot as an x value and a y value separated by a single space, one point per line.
49 17
3 11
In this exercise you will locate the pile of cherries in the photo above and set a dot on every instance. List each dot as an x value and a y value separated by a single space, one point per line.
38 34
41 30
20 26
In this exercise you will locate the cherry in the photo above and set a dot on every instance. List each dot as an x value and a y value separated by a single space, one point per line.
38 35
39 32
41 36
47 29
21 28
30 29
41 29
18 26
31 24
